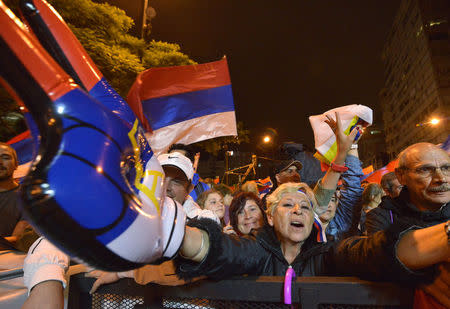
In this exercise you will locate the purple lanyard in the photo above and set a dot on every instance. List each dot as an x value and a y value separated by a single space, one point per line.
290 273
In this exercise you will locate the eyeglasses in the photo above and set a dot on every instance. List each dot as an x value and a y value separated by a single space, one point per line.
427 171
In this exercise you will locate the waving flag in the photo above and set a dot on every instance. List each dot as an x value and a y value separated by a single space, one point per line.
184 104
368 170
264 185
378 174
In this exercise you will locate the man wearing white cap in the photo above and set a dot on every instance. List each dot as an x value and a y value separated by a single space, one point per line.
179 172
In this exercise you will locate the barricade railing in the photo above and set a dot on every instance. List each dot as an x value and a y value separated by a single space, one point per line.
242 292
11 274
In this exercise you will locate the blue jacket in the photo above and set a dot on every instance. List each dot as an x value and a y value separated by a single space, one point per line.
345 222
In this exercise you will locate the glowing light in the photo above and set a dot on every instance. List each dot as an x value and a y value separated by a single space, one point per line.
60 109
434 121
22 108
99 169
266 139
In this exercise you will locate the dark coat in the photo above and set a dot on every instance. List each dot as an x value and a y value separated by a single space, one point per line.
400 209
260 254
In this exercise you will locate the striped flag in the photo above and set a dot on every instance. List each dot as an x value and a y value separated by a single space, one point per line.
264 185
184 104
321 236
378 174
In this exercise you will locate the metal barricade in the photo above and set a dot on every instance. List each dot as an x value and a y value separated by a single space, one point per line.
11 274
242 292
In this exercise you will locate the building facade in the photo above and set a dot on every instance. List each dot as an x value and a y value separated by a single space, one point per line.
372 147
416 57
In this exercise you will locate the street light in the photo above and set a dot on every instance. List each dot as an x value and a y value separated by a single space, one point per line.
266 139
434 121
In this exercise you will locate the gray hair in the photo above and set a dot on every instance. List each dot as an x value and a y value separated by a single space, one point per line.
289 187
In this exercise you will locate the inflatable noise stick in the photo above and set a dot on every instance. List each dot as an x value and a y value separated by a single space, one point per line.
79 191
63 46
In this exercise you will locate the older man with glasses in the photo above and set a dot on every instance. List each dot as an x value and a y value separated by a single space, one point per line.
424 173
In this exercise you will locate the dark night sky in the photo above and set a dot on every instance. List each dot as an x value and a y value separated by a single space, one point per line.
288 59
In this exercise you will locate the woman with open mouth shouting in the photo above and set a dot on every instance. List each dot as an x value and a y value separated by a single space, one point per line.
290 240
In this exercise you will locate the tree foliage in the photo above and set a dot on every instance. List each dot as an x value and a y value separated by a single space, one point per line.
11 119
103 31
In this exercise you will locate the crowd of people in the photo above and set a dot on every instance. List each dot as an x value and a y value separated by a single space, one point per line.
336 227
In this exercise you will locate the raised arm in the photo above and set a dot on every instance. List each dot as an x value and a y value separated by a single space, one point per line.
326 187
348 213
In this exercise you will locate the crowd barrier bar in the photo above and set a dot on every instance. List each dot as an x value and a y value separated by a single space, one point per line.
11 274
256 292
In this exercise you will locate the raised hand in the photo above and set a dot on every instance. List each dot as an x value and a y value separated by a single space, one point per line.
343 141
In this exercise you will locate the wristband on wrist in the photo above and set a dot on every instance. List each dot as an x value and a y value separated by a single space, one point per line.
198 252
338 168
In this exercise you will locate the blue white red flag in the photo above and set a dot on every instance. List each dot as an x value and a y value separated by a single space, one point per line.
184 104
264 185
321 236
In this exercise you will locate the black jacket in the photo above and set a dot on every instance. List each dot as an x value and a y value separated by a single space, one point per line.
400 209
260 254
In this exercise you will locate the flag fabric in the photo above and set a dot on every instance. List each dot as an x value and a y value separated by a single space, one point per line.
264 185
199 187
391 166
423 300
23 145
367 170
378 174
321 235
184 104
324 138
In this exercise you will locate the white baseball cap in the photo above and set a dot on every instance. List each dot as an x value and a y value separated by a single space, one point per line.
178 160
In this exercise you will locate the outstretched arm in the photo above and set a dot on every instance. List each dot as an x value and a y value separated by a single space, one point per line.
195 244
395 254
425 247
207 251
